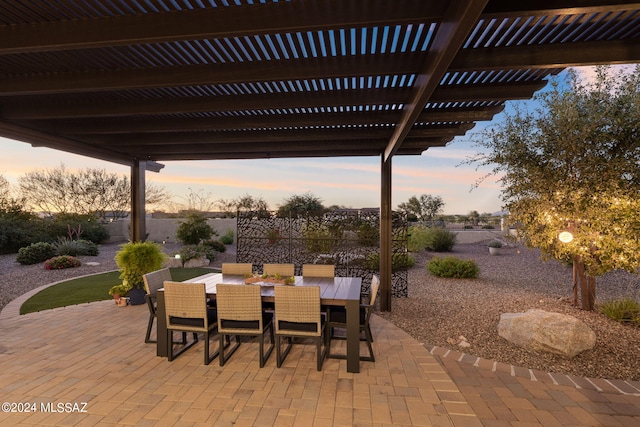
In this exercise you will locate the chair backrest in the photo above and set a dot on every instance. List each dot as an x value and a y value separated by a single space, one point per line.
297 310
318 270
284 270
238 303
155 280
237 268
373 291
186 301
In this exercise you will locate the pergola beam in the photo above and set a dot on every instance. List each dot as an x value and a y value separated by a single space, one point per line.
161 125
212 23
458 21
368 97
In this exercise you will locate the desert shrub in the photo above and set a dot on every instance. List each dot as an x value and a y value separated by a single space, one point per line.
62 261
398 261
19 229
368 235
418 238
194 229
214 246
625 310
67 246
35 253
85 227
488 227
189 252
319 239
440 240
227 238
453 267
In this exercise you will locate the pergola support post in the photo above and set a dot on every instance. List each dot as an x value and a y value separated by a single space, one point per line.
138 223
386 280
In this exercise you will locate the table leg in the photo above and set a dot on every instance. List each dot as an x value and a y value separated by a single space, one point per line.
161 326
353 336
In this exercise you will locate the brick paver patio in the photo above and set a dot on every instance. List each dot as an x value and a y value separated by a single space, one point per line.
95 354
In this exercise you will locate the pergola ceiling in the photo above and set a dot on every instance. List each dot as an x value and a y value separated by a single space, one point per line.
127 80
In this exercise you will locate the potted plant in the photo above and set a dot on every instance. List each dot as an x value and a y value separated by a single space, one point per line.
118 292
494 247
136 259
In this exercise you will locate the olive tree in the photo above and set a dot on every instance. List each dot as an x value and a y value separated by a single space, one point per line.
572 167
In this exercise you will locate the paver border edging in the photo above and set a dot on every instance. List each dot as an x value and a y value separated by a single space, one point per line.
630 388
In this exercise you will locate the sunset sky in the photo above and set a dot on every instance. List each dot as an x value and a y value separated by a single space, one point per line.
351 182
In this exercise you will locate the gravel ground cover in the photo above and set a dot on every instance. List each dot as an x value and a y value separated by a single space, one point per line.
439 311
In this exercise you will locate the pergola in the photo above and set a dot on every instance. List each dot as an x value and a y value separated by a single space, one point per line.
139 82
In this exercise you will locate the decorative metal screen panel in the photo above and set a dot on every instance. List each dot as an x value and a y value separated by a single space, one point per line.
348 239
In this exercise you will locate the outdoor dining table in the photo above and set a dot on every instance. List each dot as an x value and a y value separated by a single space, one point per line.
334 291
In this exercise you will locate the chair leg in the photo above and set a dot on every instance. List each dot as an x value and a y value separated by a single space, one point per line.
371 357
265 355
147 338
185 345
279 353
208 358
222 356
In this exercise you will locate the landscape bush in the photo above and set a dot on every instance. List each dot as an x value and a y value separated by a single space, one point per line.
189 252
433 239
227 238
398 261
60 262
67 246
625 310
214 246
35 253
453 267
194 229
85 227
319 239
417 238
19 229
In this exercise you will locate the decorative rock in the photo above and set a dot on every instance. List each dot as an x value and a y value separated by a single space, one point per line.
545 331
92 263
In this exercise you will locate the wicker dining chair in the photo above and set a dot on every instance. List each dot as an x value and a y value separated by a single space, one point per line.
318 270
187 311
284 270
152 282
237 268
338 319
240 313
298 315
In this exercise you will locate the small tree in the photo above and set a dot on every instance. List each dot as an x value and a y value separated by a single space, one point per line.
194 229
572 167
86 192
301 204
425 209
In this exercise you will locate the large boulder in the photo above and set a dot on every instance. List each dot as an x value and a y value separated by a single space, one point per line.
545 331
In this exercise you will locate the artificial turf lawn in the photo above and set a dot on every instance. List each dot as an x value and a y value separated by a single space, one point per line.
90 288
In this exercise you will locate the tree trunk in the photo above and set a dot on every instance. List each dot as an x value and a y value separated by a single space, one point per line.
585 284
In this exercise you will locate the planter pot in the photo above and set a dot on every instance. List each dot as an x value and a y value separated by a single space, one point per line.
136 296
494 251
